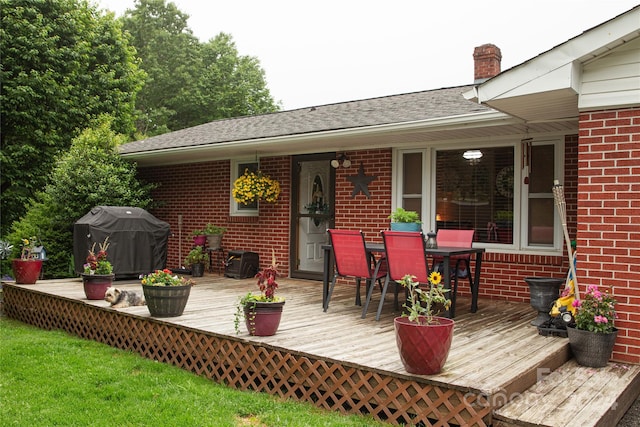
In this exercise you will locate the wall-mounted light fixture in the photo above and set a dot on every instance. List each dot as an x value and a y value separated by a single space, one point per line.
341 159
472 154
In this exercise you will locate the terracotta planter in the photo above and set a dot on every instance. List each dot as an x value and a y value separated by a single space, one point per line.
263 318
166 301
95 285
26 272
423 348
590 348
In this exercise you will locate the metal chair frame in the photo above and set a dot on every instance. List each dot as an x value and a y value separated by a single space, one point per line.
352 260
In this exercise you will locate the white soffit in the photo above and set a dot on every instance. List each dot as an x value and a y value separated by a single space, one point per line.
523 89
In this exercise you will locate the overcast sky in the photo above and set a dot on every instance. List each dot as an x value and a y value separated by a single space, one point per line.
321 52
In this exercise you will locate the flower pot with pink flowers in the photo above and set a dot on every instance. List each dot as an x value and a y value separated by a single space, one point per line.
593 334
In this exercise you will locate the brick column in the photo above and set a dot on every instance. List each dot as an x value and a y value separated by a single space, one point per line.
609 216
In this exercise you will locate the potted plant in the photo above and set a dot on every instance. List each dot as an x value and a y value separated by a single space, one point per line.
98 272
166 294
253 186
214 235
27 268
403 220
423 338
593 334
199 238
262 312
197 258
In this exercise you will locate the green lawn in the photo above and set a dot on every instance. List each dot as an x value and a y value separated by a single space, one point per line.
49 378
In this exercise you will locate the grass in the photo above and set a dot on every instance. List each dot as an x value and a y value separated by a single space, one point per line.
52 378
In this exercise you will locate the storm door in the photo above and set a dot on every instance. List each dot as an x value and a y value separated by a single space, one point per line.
312 213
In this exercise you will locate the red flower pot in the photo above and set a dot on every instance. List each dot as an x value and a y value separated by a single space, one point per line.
263 318
423 348
95 285
26 271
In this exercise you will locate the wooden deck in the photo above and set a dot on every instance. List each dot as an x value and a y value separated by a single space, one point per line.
336 360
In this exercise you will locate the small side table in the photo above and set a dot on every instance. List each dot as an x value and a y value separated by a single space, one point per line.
214 253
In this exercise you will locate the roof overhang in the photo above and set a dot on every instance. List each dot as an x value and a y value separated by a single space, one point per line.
547 87
470 127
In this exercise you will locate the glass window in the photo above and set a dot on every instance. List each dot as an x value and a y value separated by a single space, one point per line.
412 187
541 202
237 169
474 190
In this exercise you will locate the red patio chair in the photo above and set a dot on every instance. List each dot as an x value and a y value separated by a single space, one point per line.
458 239
405 254
353 260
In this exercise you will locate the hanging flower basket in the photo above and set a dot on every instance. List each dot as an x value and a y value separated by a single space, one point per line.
254 186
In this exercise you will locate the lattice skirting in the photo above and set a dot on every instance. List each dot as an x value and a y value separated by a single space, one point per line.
244 365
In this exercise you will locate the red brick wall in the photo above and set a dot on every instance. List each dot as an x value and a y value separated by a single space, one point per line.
359 212
609 216
201 194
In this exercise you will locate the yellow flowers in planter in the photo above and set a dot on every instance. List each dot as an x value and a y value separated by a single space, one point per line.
254 186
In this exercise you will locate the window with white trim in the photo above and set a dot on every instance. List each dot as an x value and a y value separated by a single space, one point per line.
503 192
238 168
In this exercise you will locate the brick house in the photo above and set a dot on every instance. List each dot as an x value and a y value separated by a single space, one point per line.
481 156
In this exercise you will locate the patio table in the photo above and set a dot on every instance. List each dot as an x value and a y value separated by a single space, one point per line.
444 252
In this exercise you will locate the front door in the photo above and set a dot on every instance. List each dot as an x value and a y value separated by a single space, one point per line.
312 213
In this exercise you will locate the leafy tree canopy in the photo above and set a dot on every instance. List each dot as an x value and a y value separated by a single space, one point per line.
63 64
190 83
91 173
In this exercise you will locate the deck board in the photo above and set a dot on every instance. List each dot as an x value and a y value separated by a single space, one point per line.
497 328
495 352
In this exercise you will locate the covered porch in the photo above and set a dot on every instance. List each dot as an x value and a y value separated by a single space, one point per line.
337 360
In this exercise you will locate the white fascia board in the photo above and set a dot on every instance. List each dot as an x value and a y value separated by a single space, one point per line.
553 65
565 77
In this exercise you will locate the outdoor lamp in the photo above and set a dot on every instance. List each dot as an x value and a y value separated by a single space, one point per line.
342 158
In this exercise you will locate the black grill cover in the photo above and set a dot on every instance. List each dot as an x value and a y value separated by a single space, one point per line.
137 240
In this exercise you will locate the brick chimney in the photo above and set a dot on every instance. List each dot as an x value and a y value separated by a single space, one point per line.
486 59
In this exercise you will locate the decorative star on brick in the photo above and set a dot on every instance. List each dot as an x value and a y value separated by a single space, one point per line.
361 182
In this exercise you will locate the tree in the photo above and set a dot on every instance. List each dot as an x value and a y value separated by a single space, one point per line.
63 64
190 83
91 173
169 55
231 85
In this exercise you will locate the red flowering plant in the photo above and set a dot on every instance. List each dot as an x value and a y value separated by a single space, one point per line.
97 263
596 311
268 285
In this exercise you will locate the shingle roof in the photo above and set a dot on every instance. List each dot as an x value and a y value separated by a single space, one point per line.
416 106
